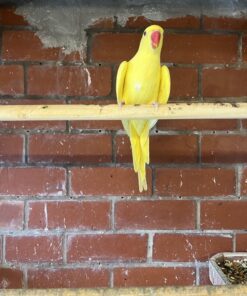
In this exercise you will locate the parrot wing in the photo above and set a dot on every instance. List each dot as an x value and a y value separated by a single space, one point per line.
165 85
121 73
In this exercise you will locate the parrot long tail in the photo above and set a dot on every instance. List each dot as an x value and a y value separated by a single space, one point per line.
140 152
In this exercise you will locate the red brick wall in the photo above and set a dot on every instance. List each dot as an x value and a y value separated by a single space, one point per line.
70 211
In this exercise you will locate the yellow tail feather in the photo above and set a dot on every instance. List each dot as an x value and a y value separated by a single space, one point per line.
140 153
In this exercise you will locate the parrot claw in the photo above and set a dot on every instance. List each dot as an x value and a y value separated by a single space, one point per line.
156 105
120 105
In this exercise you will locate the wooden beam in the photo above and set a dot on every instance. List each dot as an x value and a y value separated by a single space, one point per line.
113 112
237 290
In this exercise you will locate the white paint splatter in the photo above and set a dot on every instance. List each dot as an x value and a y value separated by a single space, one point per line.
46 217
89 80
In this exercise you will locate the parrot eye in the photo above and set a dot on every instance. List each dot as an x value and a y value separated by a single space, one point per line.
144 33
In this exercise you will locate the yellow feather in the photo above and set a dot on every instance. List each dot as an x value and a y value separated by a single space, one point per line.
142 80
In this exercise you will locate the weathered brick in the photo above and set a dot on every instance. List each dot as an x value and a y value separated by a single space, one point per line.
226 149
244 182
15 48
8 17
28 249
103 23
184 82
69 215
224 23
11 148
241 242
194 125
153 276
109 247
67 278
204 277
158 214
223 214
110 181
11 215
38 125
1 249
178 48
62 148
97 125
200 48
32 181
195 182
69 80
163 149
244 48
181 247
244 123
114 47
184 22
11 80
224 82
11 278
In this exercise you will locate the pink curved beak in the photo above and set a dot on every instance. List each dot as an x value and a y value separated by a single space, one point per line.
155 37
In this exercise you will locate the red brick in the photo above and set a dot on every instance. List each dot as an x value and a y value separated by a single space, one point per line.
194 125
184 82
185 22
11 215
200 48
1 250
32 181
158 214
69 81
69 215
244 46
28 249
163 149
244 123
241 242
224 23
96 124
110 181
178 48
204 276
195 182
8 17
11 148
62 148
15 48
27 125
224 214
153 276
67 278
100 125
11 278
226 149
244 183
180 247
114 47
109 247
11 80
224 82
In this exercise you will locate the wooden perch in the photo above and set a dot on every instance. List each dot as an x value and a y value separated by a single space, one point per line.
237 290
114 112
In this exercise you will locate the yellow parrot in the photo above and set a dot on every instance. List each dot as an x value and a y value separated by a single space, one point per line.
142 80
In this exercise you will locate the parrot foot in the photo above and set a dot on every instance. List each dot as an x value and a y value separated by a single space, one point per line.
120 105
155 105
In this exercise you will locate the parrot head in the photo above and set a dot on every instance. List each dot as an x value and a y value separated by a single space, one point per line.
152 39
